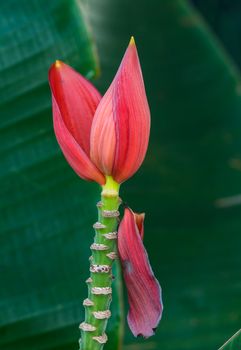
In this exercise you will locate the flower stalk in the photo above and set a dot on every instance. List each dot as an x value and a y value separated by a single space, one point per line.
105 139
104 252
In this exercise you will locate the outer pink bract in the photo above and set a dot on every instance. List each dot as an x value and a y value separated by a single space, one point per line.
144 291
74 102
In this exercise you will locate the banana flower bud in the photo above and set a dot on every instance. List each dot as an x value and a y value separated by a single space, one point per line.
105 136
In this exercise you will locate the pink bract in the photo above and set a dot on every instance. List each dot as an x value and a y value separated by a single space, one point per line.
144 291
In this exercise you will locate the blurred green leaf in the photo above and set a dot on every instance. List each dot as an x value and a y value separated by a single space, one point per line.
46 210
189 185
224 18
234 343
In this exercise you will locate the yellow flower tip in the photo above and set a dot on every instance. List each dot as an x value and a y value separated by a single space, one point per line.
132 41
58 64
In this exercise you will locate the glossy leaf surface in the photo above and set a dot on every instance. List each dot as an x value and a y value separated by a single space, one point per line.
233 343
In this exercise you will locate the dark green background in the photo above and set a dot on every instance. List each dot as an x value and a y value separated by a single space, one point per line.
194 160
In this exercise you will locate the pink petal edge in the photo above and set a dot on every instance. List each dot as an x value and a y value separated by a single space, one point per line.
103 136
139 220
73 153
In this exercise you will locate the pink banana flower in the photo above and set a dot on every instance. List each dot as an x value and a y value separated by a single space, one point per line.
144 291
102 136
108 136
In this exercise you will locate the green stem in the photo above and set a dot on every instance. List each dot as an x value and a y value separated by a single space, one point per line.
97 305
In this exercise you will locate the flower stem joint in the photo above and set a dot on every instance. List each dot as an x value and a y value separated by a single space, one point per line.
105 139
